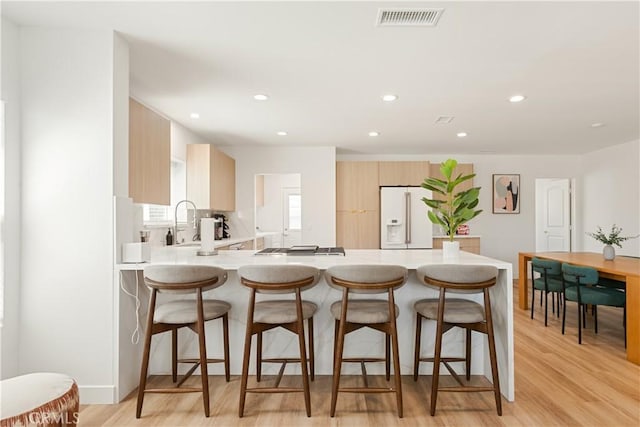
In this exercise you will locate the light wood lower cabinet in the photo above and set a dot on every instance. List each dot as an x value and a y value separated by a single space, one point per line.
468 244
358 229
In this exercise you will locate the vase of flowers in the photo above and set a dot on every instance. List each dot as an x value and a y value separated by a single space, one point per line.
613 238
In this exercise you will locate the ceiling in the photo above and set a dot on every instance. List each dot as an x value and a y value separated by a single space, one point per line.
325 66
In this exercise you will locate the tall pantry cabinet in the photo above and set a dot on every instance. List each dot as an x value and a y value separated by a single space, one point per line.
357 205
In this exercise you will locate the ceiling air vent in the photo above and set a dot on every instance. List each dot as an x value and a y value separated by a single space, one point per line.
444 120
408 17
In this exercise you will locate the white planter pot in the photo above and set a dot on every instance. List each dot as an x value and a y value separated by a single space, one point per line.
609 252
450 249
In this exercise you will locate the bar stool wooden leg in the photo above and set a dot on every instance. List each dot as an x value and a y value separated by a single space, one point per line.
312 364
467 358
416 359
387 356
145 354
337 366
247 352
259 357
225 333
303 353
174 354
492 352
396 354
436 358
204 374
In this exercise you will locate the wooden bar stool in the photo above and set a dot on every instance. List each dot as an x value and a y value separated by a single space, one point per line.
353 314
176 314
288 314
450 312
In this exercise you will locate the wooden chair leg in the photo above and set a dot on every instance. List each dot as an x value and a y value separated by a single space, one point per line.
225 332
336 330
492 352
387 356
144 367
204 373
595 318
416 358
533 293
467 358
174 354
312 364
259 357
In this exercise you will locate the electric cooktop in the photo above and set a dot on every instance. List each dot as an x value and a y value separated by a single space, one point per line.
302 250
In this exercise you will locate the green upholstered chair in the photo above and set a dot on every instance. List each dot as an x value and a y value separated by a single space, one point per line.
550 280
580 285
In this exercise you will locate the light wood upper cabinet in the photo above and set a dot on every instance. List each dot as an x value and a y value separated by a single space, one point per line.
149 156
462 168
211 178
403 173
357 186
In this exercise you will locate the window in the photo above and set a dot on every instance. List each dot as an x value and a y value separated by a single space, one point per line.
158 214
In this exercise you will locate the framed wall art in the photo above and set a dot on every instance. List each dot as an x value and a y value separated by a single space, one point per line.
506 194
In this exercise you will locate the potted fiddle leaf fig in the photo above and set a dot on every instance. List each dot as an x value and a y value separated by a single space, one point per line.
453 207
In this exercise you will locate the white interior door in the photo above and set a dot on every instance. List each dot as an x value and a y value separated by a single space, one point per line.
553 215
292 217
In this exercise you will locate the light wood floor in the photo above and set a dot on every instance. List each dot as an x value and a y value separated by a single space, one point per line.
558 382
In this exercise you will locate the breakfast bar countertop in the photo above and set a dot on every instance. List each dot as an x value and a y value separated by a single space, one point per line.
369 344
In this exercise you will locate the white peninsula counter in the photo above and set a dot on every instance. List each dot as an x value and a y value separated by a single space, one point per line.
363 342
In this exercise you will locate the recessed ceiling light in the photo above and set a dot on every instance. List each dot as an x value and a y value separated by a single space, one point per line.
281 133
461 134
260 97
389 98
194 115
597 125
374 133
517 98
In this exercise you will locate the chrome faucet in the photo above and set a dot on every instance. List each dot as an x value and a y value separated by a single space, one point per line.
175 216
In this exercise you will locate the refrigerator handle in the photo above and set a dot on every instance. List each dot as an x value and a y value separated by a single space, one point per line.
407 217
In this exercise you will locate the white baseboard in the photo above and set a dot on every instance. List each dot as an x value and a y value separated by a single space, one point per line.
97 394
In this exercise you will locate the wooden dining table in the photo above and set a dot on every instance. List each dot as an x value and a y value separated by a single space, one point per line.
626 269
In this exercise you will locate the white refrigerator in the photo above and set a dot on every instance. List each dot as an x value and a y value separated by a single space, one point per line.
403 218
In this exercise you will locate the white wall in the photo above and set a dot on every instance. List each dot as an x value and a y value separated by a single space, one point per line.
10 94
66 311
503 236
317 169
611 195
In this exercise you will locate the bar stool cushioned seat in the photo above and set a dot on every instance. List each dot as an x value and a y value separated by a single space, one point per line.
452 312
351 314
269 314
176 314
44 399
